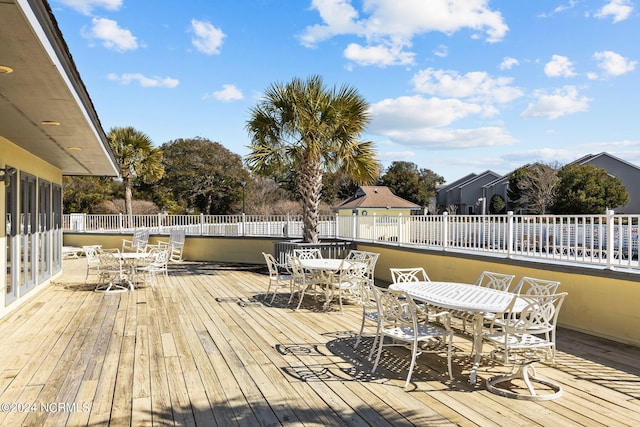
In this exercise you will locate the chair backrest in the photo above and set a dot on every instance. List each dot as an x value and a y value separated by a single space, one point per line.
159 257
109 259
395 308
403 275
493 280
538 315
91 253
272 265
310 253
532 286
177 236
299 275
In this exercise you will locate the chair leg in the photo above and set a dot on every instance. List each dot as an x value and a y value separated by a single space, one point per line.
301 297
414 351
359 333
375 364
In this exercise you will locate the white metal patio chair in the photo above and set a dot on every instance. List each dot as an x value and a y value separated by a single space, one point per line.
399 320
112 275
93 262
138 243
277 277
369 314
349 279
155 263
403 275
309 253
532 286
492 280
301 281
521 341
412 274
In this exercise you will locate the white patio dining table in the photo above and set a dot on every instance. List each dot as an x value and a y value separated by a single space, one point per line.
477 300
326 269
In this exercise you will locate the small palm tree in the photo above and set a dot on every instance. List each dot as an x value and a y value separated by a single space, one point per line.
137 158
304 126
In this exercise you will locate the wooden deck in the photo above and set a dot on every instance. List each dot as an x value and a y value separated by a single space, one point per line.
203 349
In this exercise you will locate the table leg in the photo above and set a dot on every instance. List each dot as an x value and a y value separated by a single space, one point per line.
478 322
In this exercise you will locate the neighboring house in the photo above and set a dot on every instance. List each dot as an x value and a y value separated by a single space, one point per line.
48 128
467 193
375 200
627 173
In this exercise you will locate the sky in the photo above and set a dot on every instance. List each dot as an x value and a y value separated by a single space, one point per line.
454 86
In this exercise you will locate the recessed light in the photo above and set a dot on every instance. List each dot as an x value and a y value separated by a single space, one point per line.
50 123
5 70
74 148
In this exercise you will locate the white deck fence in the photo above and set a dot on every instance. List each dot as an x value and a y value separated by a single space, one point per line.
608 240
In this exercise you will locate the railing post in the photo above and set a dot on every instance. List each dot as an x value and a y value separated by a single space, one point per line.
354 225
286 226
510 233
336 232
610 242
201 225
445 230
243 222
120 225
159 222
400 227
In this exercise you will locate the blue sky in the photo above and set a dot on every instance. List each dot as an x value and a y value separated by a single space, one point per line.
457 88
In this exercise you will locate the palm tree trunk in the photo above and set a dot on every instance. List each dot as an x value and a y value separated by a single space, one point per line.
128 196
310 185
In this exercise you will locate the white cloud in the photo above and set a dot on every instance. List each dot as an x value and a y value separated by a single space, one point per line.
562 101
559 66
613 63
545 155
618 9
381 56
508 63
208 38
418 121
394 23
476 85
86 6
227 94
442 51
112 36
144 81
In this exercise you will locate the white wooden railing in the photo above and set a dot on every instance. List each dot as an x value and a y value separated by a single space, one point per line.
609 240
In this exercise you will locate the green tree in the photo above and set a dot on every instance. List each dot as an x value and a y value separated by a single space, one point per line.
137 158
406 180
497 204
533 186
304 126
83 194
204 175
586 189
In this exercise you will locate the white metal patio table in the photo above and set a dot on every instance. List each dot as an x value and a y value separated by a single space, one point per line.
326 269
464 297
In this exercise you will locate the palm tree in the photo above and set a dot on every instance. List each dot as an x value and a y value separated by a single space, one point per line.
304 126
137 158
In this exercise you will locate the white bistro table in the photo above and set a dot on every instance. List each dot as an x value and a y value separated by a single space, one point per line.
326 269
474 299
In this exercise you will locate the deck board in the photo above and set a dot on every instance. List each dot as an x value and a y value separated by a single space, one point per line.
205 348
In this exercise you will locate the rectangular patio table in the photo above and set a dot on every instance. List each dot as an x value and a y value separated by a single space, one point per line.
474 299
